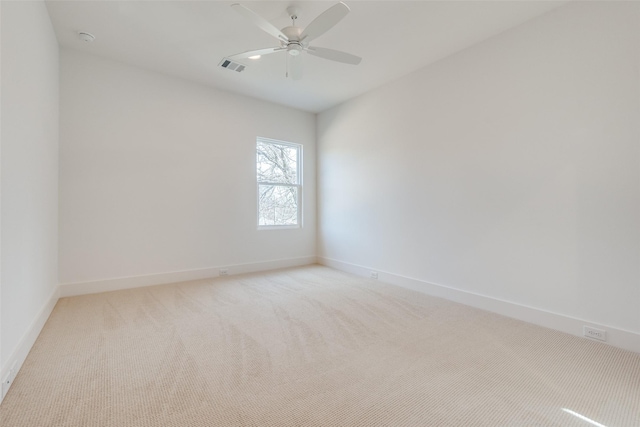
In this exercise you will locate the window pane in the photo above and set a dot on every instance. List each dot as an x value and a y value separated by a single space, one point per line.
278 205
277 163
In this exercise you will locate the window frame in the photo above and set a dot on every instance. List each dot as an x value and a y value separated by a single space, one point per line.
299 185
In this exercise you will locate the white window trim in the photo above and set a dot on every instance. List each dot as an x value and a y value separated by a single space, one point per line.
299 185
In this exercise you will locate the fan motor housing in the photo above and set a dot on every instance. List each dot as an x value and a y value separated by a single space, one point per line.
292 33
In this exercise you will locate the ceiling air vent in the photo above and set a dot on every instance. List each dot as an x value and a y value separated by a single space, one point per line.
230 65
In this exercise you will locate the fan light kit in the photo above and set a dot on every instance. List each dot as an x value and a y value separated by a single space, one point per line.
295 40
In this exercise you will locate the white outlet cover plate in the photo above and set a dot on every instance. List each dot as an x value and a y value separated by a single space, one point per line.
6 383
594 333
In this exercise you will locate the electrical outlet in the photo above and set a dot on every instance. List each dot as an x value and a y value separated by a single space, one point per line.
374 275
596 334
6 383
223 272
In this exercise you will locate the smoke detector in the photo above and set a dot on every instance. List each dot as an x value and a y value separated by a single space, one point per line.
86 37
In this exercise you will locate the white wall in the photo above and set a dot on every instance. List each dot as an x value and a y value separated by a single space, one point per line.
510 170
29 175
157 175
1 378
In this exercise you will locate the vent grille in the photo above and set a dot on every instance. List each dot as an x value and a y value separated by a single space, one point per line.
230 65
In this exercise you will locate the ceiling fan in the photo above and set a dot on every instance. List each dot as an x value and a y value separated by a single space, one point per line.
295 40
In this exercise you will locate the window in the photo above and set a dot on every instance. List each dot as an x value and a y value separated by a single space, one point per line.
279 175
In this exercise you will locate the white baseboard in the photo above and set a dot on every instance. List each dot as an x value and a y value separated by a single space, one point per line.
19 355
616 337
92 287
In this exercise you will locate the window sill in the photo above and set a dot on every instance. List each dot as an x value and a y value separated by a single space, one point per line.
278 227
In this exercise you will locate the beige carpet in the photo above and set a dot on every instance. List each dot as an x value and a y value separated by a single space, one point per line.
310 347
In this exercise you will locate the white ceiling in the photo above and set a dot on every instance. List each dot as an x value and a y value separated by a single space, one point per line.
188 39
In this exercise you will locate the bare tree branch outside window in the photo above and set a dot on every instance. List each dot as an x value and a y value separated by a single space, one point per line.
278 174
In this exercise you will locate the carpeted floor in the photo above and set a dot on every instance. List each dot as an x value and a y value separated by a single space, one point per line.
310 347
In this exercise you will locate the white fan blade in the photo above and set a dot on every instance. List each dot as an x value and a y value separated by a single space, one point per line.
259 21
260 52
334 55
324 22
